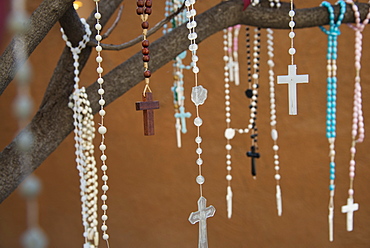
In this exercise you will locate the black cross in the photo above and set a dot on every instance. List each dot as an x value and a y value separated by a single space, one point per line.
253 154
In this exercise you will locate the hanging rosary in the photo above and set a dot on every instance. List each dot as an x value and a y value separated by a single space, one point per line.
292 79
102 129
144 9
332 33
198 97
84 133
358 130
178 75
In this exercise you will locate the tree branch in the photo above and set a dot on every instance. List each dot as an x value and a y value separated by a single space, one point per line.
41 21
53 122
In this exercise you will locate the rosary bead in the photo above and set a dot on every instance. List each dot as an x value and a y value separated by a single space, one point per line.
140 10
148 11
105 236
200 179
145 25
97 15
147 74
140 3
148 3
145 43
146 58
145 51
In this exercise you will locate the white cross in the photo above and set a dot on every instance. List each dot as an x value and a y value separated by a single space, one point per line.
331 224
201 216
349 209
279 202
229 200
292 79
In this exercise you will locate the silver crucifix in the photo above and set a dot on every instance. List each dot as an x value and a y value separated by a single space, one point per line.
201 216
292 79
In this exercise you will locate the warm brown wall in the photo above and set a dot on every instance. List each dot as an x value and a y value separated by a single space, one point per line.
152 182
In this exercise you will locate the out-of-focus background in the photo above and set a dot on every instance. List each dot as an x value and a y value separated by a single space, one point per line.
152 182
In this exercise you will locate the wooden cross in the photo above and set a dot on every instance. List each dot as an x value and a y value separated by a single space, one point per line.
349 209
253 154
201 216
292 79
147 105
182 115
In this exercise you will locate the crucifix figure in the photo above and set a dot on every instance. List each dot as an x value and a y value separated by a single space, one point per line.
292 79
201 216
148 105
253 154
349 209
182 115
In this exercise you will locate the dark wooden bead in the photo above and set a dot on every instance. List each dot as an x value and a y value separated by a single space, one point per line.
140 3
145 43
146 58
148 3
145 51
148 11
140 10
147 73
145 25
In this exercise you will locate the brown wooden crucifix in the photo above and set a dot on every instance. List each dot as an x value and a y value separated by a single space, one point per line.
148 105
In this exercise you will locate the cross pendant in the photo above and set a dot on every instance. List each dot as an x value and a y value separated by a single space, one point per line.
253 154
148 105
182 115
201 216
292 79
349 209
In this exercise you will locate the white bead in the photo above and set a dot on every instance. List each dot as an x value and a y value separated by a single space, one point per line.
228 168
274 134
198 121
105 236
99 70
198 140
228 147
200 179
277 168
275 147
98 37
277 177
104 167
103 157
291 13
104 198
104 217
97 15
102 112
101 91
291 34
104 228
229 177
99 59
104 188
102 129
292 51
291 24
101 102
195 69
199 151
100 81
199 161
98 26
228 156
255 76
98 48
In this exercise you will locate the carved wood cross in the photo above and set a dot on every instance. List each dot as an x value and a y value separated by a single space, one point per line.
148 105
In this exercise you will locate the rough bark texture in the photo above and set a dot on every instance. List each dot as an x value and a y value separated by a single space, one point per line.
53 121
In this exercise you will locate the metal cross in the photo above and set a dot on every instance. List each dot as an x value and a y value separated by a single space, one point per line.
292 79
349 209
201 216
182 115
148 105
253 154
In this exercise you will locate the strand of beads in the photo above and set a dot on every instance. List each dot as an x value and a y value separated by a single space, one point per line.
275 3
332 33
102 128
198 97
229 132
253 95
274 132
358 130
144 9
84 134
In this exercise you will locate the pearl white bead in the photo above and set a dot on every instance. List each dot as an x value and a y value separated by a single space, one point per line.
102 129
229 177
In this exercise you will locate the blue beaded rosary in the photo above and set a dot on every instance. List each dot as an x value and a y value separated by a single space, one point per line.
331 56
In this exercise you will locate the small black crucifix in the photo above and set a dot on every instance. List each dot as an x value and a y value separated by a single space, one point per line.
147 105
253 154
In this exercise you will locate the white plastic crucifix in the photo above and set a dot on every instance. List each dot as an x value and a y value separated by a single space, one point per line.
349 209
292 79
201 216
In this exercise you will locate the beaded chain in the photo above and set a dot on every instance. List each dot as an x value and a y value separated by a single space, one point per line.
102 128
358 130
198 97
275 3
252 93
178 75
274 132
144 9
84 133
292 79
332 33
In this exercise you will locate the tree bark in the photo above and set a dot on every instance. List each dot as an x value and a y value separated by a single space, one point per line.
53 121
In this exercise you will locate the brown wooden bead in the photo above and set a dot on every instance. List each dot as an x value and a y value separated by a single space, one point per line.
145 43
140 3
147 73
148 11
146 58
145 25
139 10
145 51
148 3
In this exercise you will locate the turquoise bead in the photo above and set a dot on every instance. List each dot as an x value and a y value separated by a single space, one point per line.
332 165
332 187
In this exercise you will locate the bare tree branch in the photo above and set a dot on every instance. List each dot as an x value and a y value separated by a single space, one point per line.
114 25
53 122
41 21
140 38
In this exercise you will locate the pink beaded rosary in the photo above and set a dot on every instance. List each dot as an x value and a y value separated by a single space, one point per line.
358 131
